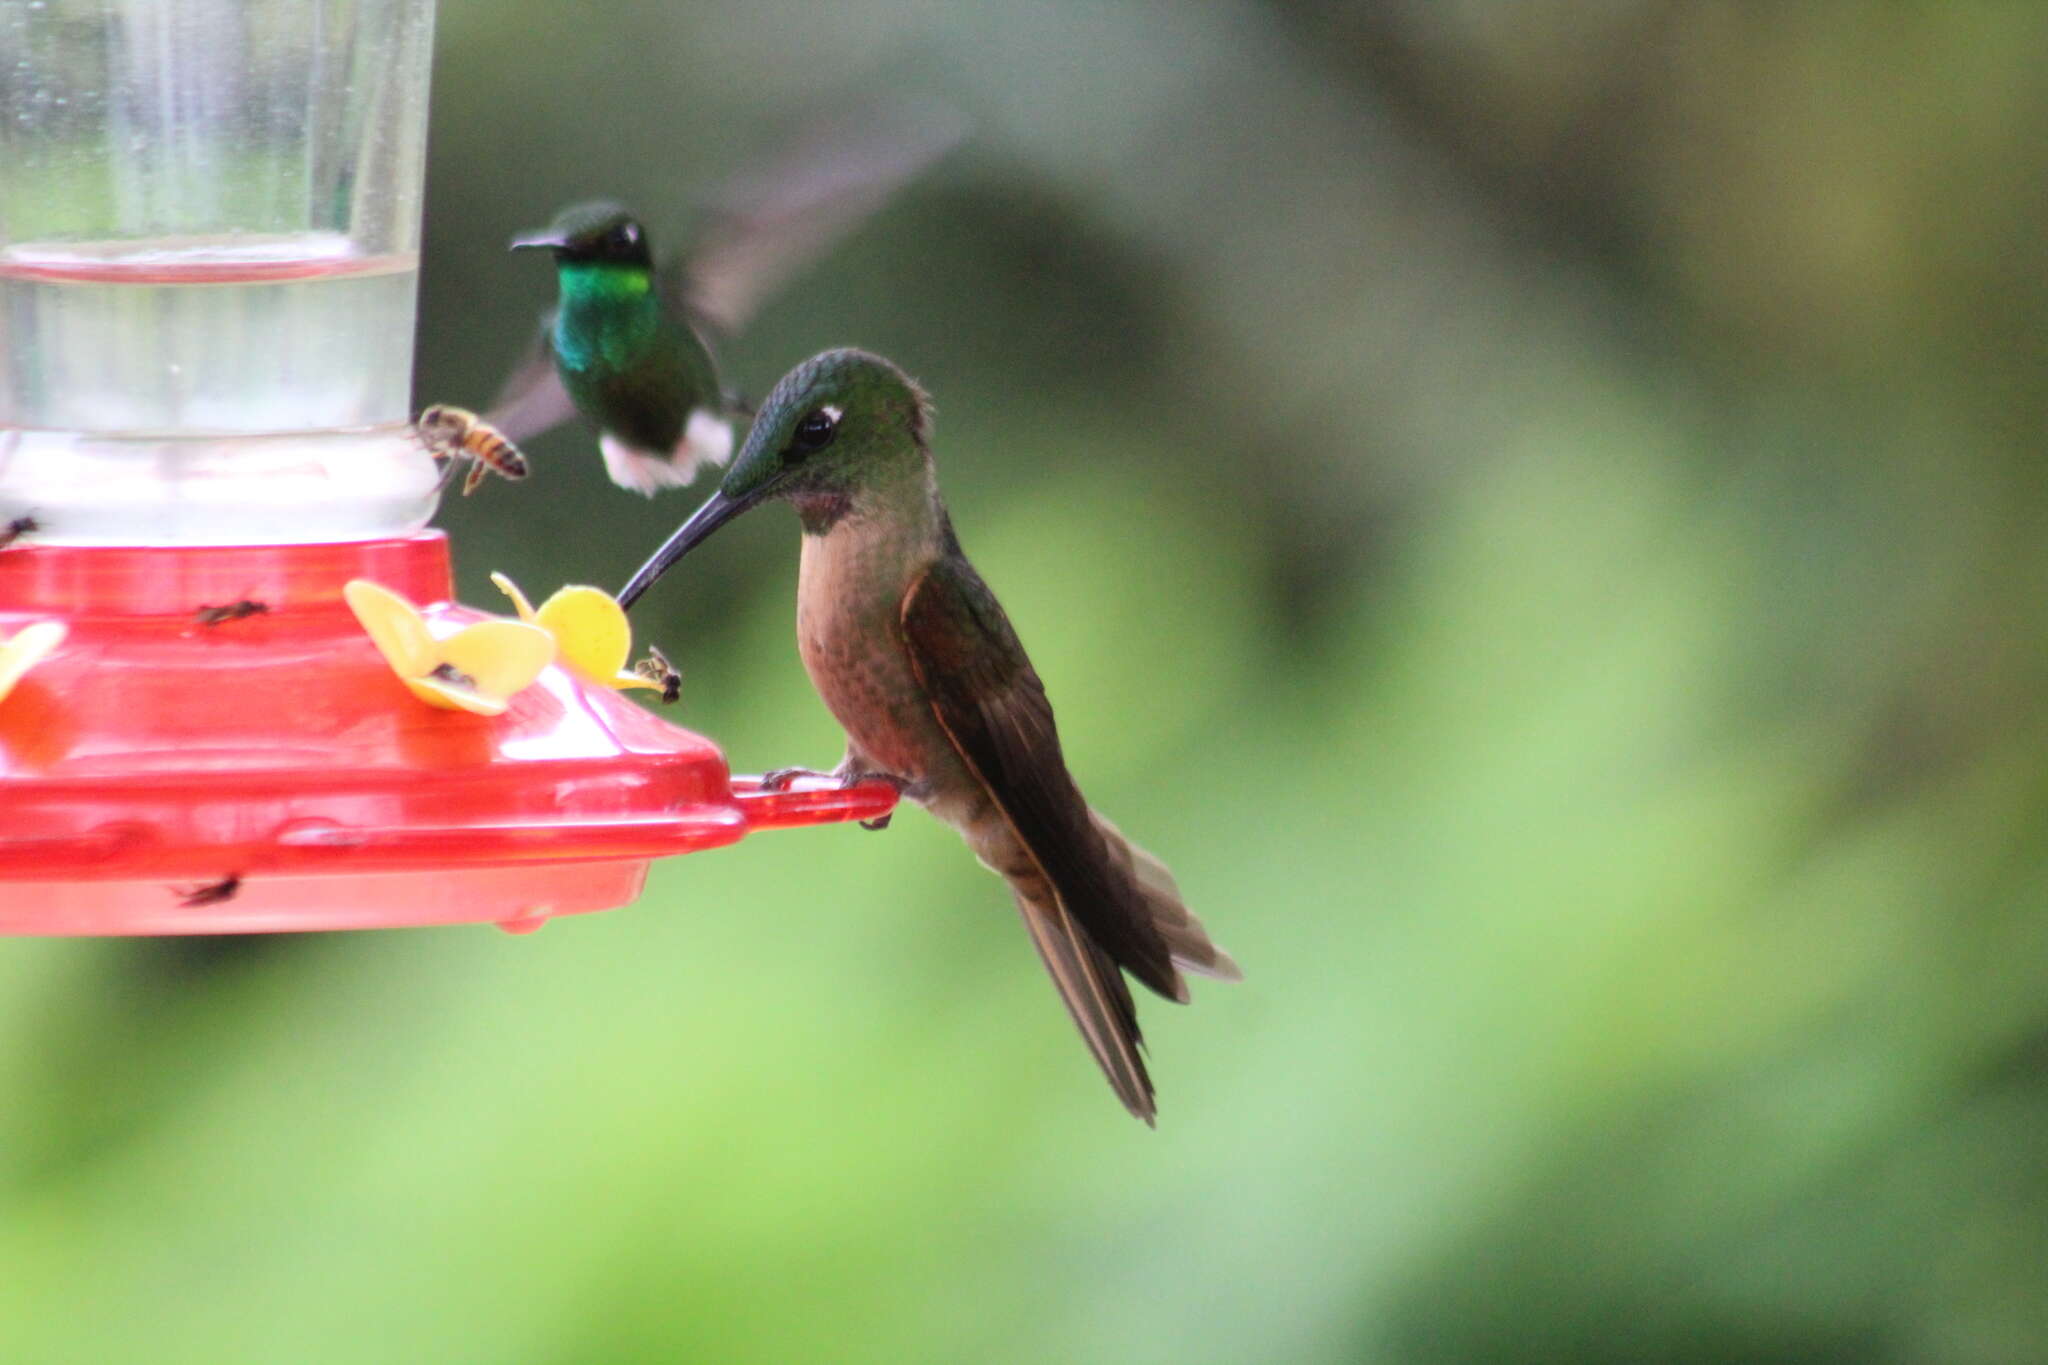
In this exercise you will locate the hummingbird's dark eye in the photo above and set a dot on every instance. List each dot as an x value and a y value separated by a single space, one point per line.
624 237
815 431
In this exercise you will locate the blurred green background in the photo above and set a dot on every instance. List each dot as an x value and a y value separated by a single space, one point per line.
1534 510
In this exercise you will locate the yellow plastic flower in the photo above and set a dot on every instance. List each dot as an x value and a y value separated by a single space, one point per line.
589 628
29 647
476 669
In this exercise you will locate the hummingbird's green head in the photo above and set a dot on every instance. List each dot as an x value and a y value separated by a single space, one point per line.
597 233
839 424
839 420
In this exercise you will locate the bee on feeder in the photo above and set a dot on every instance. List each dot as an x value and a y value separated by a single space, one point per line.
16 529
657 669
233 611
450 432
213 893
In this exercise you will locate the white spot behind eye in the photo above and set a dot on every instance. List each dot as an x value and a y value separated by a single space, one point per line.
831 412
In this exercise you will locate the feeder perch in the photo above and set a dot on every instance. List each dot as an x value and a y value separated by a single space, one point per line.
209 231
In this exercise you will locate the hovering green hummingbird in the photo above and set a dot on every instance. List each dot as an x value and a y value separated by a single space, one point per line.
916 660
629 346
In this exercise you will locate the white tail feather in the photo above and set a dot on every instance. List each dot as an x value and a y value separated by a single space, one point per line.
707 440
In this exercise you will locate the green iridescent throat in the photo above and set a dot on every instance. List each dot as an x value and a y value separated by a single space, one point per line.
608 310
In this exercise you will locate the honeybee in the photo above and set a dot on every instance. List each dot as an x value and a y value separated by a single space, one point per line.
213 893
448 432
233 611
19 527
656 668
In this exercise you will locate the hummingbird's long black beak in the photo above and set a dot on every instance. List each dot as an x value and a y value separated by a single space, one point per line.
527 241
717 510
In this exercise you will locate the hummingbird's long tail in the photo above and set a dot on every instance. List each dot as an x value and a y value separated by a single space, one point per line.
1185 937
1094 990
1089 977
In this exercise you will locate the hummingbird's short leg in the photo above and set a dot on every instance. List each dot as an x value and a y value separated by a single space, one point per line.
903 785
780 778
853 770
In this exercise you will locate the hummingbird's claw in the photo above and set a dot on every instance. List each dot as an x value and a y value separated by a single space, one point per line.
879 822
780 779
853 777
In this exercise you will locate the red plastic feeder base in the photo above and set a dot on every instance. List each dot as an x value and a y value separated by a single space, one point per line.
152 757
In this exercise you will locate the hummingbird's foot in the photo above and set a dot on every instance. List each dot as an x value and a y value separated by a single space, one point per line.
780 779
855 776
851 774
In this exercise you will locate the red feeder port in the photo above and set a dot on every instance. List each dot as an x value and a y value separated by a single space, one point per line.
152 758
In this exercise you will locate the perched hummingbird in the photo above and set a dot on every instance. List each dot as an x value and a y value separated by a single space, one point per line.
628 346
914 657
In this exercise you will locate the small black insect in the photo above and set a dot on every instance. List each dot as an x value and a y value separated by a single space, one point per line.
213 893
16 529
657 669
233 611
449 673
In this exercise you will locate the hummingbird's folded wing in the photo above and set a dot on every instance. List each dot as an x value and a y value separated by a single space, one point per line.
532 400
767 224
991 705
